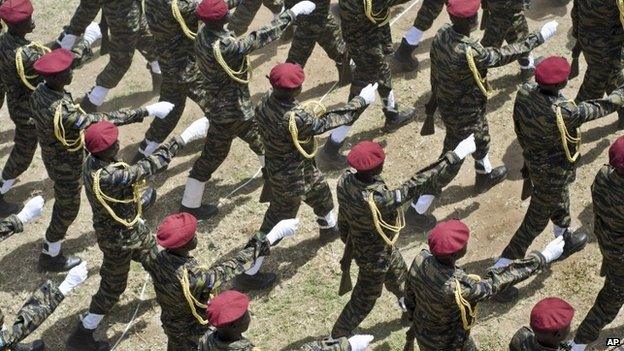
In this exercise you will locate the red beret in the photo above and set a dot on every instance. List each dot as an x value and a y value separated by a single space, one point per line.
616 154
550 315
287 76
227 307
463 8
176 230
553 70
448 237
54 62
366 156
100 136
211 10
16 11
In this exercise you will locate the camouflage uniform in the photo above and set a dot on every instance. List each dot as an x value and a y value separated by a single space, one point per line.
83 16
230 111
379 263
430 298
65 167
607 192
524 340
292 177
428 12
9 226
545 160
506 22
246 11
210 342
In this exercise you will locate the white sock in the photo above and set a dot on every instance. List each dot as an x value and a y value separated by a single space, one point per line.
262 161
256 266
54 249
6 185
390 101
92 320
150 147
68 41
531 63
92 33
578 347
413 36
487 165
330 219
558 231
97 95
339 134
424 202
502 262
155 67
193 193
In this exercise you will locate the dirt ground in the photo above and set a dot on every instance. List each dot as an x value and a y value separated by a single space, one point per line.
304 304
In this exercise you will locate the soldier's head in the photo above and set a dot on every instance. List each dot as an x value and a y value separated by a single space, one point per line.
367 158
463 14
616 156
214 13
229 313
101 140
552 74
177 233
17 14
448 241
550 321
56 68
286 80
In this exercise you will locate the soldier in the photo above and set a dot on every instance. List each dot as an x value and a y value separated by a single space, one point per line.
370 218
550 327
229 314
608 201
288 130
180 281
59 123
219 55
82 18
118 195
17 57
441 298
547 125
458 63
246 11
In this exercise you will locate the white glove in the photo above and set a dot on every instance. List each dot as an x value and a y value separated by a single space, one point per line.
197 130
369 93
304 7
92 33
466 147
68 41
360 342
548 30
286 227
554 249
31 210
75 277
159 109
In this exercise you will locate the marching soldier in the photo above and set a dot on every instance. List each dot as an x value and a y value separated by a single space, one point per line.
224 62
246 11
550 327
607 195
229 314
181 282
458 67
370 217
441 298
118 196
15 223
59 123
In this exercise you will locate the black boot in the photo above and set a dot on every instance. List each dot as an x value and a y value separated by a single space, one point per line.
8 208
484 182
526 73
157 80
574 242
344 72
87 105
329 156
506 295
259 281
81 339
59 263
328 235
396 119
404 56
421 222
202 212
36 345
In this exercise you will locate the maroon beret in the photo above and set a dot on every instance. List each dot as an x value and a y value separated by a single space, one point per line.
16 11
553 70
227 307
550 315
366 156
211 10
463 8
176 230
616 154
448 237
100 136
54 62
287 76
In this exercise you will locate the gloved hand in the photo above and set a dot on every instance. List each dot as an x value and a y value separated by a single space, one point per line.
31 210
197 130
286 227
554 249
159 109
360 342
67 41
75 277
92 33
466 147
304 7
369 93
548 30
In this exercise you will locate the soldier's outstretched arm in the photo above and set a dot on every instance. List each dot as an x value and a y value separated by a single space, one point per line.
592 109
78 120
15 223
495 57
263 36
308 125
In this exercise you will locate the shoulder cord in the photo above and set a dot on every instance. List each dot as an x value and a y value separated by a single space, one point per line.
465 308
191 300
482 83
19 63
376 18
380 224
59 130
175 9
620 5
104 199
318 110
567 138
245 68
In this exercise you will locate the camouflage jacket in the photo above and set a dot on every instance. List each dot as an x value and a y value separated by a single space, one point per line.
9 226
353 12
535 123
320 12
210 342
504 7
229 99
598 21
355 219
451 77
608 197
430 296
524 340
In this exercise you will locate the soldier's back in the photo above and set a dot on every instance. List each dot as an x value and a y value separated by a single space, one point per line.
211 342
17 92
598 17
608 206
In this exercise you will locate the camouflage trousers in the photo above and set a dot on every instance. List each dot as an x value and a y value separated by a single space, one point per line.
469 345
368 288
85 14
604 69
67 188
218 142
120 248
428 12
504 25
24 147
183 342
245 12
316 29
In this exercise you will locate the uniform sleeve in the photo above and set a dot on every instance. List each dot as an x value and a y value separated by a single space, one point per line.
328 344
308 125
84 15
410 296
590 110
263 36
519 340
343 225
9 226
517 117
494 57
78 120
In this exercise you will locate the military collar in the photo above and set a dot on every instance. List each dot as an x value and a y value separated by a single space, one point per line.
242 344
17 39
460 37
287 104
377 180
54 93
